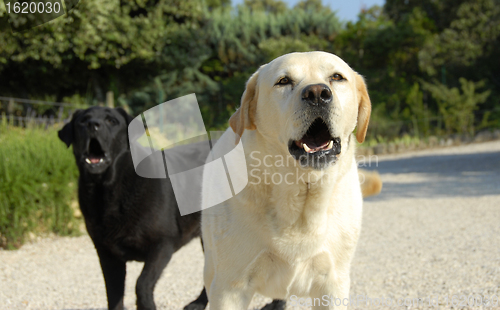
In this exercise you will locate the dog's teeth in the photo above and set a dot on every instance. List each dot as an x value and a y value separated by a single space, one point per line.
306 148
100 160
330 145
88 161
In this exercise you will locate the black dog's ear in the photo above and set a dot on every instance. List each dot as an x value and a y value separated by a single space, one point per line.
66 133
128 118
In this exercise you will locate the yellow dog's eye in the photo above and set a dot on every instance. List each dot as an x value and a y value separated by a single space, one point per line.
284 81
337 77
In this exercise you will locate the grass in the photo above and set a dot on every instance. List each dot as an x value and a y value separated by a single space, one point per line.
38 181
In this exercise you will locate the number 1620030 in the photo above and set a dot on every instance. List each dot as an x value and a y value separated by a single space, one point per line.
33 7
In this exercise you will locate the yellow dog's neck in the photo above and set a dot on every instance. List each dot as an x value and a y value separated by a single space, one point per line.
288 193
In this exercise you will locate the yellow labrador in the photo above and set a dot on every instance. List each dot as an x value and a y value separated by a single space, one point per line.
293 229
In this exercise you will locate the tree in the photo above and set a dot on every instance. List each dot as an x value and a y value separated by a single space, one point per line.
469 48
419 113
268 6
457 107
473 34
442 12
97 46
311 6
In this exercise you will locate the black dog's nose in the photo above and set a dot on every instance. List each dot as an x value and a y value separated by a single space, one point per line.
93 125
317 94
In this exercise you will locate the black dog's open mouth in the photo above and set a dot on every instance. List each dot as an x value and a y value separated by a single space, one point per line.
96 154
316 142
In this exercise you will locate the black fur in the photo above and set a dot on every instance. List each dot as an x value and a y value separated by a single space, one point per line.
128 217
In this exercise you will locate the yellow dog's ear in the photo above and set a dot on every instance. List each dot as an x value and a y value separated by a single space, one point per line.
364 108
244 117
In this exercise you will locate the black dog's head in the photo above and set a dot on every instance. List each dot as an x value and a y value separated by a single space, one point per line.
98 136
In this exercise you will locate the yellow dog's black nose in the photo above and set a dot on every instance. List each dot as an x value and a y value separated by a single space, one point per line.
317 95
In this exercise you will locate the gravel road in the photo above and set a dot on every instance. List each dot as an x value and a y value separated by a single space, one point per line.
433 231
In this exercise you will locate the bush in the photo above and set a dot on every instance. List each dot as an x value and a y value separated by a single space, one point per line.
38 181
457 107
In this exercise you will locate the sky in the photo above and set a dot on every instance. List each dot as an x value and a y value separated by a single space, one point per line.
347 10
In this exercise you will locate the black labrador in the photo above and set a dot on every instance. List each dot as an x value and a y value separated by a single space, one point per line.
127 216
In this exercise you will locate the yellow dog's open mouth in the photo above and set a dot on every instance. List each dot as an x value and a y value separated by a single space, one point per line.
317 138
316 143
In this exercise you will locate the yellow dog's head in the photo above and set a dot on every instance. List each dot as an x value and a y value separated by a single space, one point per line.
307 104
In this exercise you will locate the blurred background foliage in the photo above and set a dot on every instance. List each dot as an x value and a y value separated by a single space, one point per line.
38 182
421 58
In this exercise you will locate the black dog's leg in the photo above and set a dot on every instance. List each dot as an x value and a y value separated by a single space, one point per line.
276 304
156 261
200 303
114 271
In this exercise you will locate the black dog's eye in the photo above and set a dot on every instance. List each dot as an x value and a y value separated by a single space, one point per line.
112 120
284 81
337 77
84 119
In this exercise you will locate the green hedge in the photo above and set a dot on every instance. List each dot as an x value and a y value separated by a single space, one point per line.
38 182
